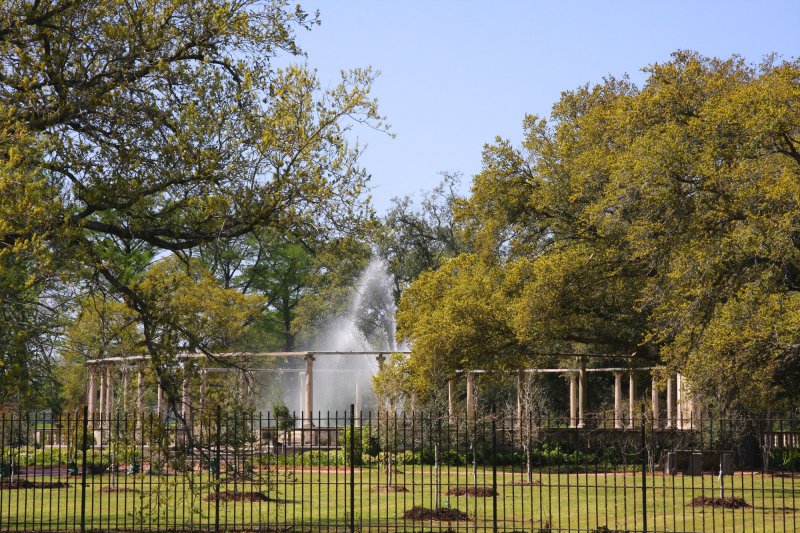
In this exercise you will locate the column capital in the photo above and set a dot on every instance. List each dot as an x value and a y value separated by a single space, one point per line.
309 357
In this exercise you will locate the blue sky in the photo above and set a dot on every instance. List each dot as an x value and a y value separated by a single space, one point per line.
457 74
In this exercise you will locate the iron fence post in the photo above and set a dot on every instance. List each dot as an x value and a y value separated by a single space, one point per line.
352 469
644 472
84 445
217 470
494 472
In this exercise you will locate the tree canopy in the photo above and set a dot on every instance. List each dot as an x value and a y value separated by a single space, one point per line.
660 221
134 130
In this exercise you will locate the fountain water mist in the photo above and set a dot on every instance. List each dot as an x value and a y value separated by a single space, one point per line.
366 325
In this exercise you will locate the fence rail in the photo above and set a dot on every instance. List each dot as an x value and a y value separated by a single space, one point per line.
395 472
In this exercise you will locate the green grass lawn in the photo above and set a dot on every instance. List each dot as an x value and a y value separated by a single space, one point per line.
318 498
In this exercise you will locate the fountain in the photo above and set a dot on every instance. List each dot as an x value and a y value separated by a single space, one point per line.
367 325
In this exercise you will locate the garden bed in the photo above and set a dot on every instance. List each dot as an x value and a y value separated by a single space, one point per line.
727 503
478 492
239 496
442 514
26 484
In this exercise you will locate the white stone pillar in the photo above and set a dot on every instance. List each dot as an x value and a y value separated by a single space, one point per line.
357 402
582 395
160 399
618 400
109 392
126 382
308 406
451 401
656 404
632 399
91 396
186 398
519 397
679 400
670 403
470 395
203 386
573 400
309 400
139 391
101 411
139 396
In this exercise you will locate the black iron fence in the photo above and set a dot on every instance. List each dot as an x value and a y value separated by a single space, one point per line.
390 472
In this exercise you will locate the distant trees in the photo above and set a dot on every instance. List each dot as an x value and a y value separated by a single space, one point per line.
660 221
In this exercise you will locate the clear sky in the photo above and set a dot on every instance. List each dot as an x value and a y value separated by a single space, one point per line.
455 74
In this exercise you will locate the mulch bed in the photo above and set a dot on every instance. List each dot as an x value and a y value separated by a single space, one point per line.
117 490
230 496
727 503
390 488
442 514
26 484
480 492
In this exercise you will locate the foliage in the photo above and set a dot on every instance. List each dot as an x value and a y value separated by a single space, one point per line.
457 317
284 418
141 130
418 239
659 221
364 444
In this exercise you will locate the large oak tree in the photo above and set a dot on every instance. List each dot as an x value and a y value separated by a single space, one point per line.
660 221
138 129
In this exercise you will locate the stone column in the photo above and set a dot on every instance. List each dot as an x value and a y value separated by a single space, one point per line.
656 406
357 407
126 382
618 400
688 414
308 405
573 400
632 399
186 397
101 411
91 396
160 399
679 401
203 386
670 403
582 395
470 395
139 396
519 398
109 392
451 401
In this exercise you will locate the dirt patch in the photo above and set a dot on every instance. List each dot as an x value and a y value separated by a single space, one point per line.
604 529
479 492
230 496
26 484
533 483
727 503
117 490
442 514
391 488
